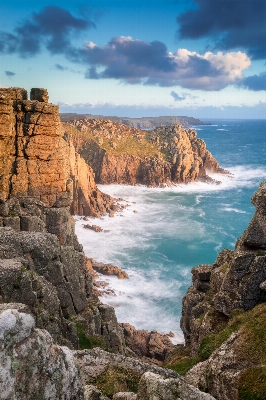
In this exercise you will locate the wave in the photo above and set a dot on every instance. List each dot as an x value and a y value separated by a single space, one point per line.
161 235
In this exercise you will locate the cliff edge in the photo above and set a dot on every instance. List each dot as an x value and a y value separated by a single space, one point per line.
121 154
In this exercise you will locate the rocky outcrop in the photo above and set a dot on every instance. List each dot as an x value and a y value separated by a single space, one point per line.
224 314
153 386
37 162
149 381
151 345
42 263
108 269
32 365
125 155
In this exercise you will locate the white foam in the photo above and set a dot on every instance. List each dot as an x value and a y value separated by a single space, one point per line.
152 297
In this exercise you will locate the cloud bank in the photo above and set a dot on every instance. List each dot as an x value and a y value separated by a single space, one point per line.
144 110
52 28
149 63
231 23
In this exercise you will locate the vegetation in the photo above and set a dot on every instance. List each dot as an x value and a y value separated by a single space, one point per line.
116 379
252 384
130 141
89 342
250 347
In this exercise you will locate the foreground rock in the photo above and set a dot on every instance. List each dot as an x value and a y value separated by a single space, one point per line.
33 366
125 155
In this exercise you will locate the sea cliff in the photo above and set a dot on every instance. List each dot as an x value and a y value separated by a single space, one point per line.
50 317
121 154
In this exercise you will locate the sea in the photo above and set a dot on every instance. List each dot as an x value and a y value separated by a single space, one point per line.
164 232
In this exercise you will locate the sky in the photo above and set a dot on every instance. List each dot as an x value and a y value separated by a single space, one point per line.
137 58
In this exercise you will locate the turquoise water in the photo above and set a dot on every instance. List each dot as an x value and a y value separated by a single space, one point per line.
174 229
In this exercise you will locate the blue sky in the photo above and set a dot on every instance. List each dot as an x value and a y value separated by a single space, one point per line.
201 58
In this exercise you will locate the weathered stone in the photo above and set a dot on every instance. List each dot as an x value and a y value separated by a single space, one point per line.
34 367
92 393
125 396
153 345
153 386
39 94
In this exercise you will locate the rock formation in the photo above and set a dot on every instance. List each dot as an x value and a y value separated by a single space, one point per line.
125 155
47 305
147 345
224 316
36 161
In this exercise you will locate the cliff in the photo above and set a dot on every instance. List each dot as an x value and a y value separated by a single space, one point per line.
49 315
224 317
126 155
36 161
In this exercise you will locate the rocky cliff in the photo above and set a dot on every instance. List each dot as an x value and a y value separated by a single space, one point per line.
224 317
36 161
126 155
48 311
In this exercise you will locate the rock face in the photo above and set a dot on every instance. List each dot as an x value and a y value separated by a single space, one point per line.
234 284
42 263
32 366
36 161
144 344
121 154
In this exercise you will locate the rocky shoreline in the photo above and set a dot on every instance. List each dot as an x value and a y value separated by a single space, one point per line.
57 340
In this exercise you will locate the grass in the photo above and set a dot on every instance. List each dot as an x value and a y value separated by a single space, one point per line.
116 379
252 384
249 348
126 144
89 341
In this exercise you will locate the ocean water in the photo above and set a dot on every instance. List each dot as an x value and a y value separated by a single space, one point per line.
163 233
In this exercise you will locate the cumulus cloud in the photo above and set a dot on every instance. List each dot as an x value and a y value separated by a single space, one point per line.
53 28
232 24
10 73
137 61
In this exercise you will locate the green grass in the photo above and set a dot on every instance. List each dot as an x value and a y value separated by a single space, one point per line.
116 379
183 365
89 342
252 384
127 144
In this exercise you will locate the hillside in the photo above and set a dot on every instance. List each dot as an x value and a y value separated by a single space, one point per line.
140 123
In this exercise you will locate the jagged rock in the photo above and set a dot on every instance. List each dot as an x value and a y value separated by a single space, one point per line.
144 161
109 269
33 366
201 276
37 162
236 284
219 374
153 386
153 345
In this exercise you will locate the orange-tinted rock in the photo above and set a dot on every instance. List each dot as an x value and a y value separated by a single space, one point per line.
36 161
121 154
